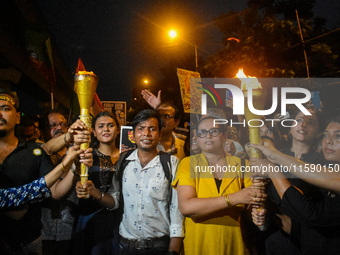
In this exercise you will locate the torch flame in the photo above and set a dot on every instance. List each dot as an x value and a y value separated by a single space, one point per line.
85 73
80 70
247 81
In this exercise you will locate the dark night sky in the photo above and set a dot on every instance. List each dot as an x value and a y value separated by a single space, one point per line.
124 41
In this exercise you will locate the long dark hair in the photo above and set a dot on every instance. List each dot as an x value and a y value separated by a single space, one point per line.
94 141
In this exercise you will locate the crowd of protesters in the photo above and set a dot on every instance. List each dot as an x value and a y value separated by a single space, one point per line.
160 198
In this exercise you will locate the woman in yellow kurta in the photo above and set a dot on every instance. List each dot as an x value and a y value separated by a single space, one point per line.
212 200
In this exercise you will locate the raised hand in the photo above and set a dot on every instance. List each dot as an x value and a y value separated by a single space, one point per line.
151 99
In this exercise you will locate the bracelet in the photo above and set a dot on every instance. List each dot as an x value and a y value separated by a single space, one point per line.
227 200
66 142
63 167
103 194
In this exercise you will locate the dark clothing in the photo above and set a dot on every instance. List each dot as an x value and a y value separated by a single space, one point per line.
25 164
58 217
97 228
277 241
157 246
321 213
319 219
307 189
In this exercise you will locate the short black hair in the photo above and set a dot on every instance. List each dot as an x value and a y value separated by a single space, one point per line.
144 115
7 91
168 104
223 127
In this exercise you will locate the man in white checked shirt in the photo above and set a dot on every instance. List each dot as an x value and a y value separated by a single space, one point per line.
151 224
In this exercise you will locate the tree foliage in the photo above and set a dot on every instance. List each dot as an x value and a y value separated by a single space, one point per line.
270 43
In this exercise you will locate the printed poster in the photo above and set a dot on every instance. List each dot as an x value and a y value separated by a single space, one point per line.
191 98
118 108
126 139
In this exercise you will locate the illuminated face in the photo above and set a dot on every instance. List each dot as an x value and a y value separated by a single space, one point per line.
58 124
306 129
147 135
331 142
210 139
264 131
195 149
105 129
167 113
9 117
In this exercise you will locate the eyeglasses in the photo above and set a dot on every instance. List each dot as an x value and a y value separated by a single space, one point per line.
167 116
202 133
61 124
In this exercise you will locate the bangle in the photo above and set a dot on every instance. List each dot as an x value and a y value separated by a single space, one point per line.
103 194
227 200
63 167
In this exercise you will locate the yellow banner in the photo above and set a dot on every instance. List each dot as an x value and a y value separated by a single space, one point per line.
191 95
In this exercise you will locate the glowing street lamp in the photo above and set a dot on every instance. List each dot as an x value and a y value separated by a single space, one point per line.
173 34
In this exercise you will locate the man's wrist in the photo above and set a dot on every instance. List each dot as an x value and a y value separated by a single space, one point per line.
68 138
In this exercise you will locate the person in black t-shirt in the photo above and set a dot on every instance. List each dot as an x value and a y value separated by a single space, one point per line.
21 163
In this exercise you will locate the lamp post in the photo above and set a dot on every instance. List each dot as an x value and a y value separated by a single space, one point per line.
173 35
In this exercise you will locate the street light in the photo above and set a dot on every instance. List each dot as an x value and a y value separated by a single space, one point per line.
173 34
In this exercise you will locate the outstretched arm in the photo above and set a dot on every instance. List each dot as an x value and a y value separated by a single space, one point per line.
326 178
77 133
62 187
37 190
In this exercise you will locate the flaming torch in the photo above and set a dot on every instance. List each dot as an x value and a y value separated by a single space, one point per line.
252 88
251 84
85 84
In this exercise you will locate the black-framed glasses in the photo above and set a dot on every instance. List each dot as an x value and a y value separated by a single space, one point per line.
167 116
201 133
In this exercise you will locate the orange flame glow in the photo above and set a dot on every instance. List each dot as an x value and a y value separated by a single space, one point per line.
81 69
248 82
